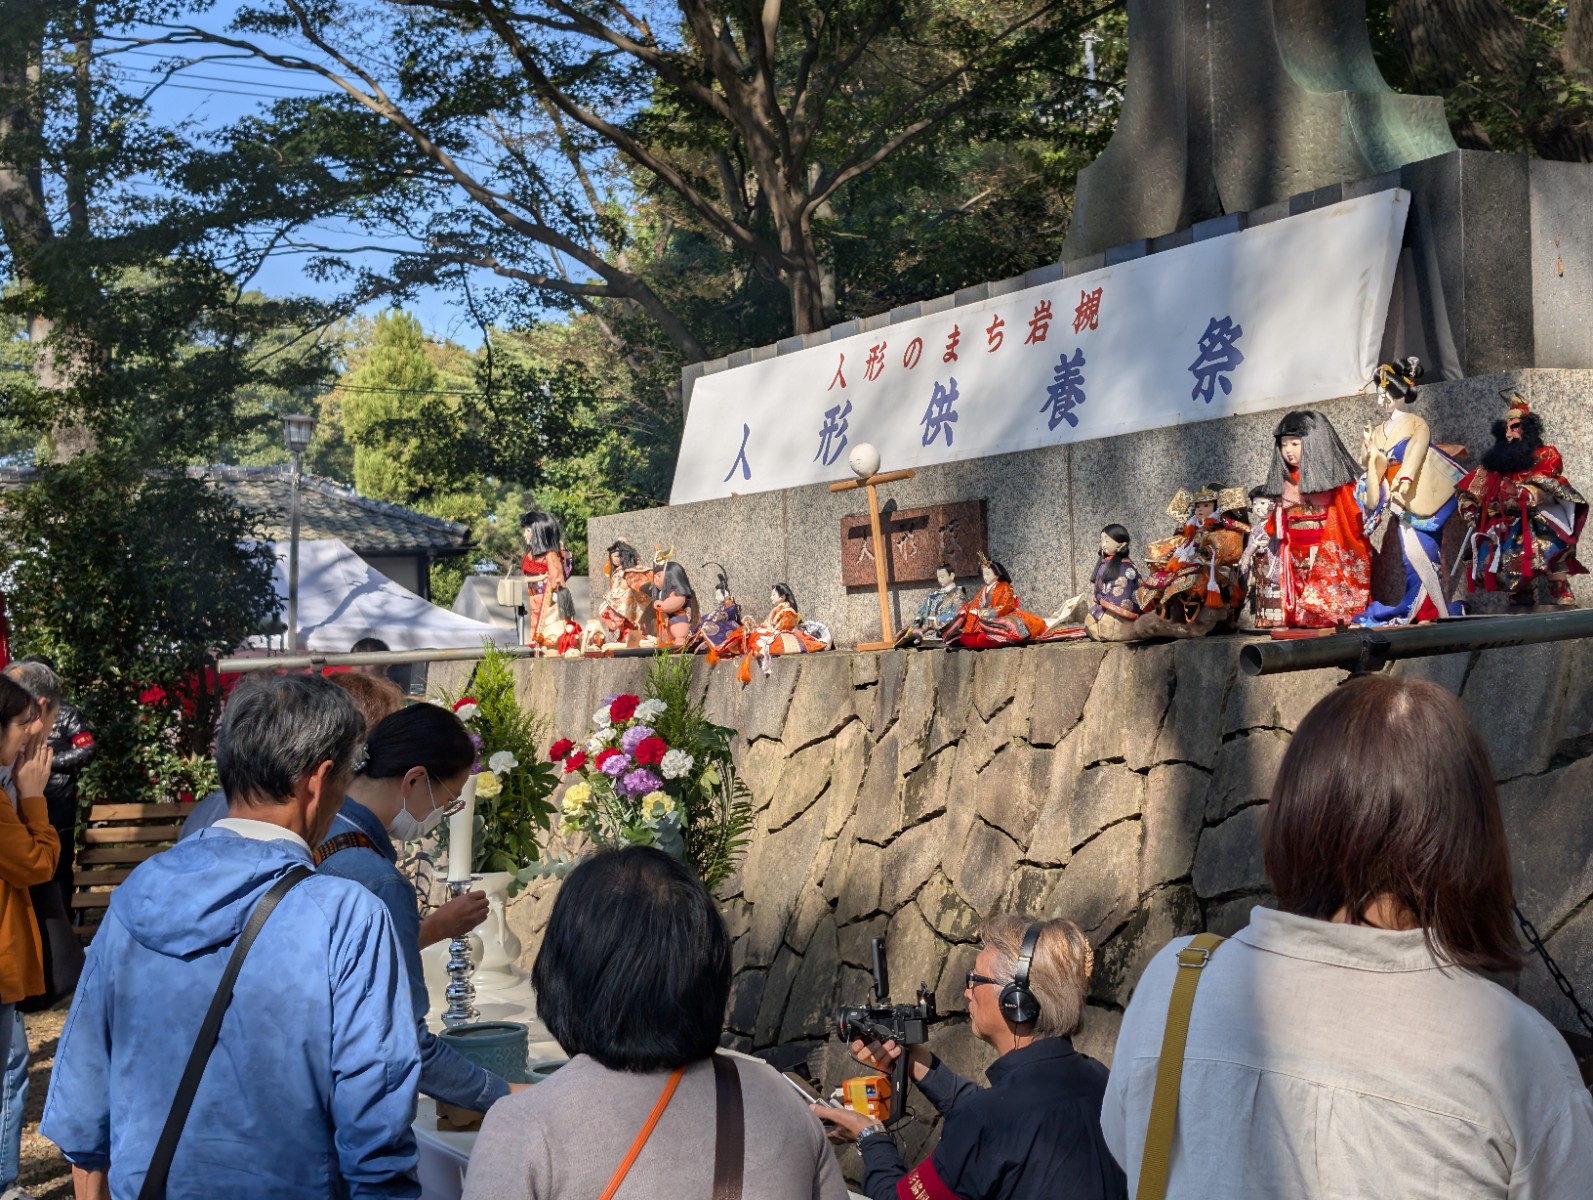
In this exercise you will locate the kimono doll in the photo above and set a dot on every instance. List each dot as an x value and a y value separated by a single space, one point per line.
992 618
783 631
1113 612
724 623
1523 517
1410 482
1197 569
674 603
545 568
1315 526
938 609
1261 565
629 595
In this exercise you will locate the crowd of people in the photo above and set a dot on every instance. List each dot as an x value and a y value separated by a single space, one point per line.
1350 1041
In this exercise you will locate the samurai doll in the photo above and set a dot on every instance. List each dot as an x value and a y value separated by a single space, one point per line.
546 567
1261 565
674 603
629 595
992 618
1316 524
724 622
938 609
1196 579
783 631
1523 517
1408 482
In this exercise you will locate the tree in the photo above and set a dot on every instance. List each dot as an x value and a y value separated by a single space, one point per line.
391 404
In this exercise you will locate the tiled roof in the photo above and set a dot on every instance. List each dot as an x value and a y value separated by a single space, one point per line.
330 510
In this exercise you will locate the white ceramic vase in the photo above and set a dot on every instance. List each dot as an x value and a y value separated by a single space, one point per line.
500 948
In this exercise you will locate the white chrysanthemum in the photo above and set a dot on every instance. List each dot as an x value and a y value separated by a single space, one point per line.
502 762
649 711
594 745
676 763
601 718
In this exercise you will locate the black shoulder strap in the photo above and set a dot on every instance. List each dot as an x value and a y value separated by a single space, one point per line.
160 1165
731 1136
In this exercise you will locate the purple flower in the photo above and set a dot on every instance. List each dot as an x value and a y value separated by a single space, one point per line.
634 737
617 766
640 781
475 740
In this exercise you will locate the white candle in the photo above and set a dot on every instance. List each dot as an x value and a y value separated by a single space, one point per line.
461 832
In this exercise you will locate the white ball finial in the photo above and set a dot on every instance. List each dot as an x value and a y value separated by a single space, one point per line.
864 460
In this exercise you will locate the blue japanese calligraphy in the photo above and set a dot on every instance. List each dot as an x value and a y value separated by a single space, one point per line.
741 457
832 434
940 415
1218 355
1067 392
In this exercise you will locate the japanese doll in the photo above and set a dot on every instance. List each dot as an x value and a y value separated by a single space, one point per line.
724 622
992 618
629 595
1315 526
674 603
1261 565
546 567
1409 481
1196 577
783 631
1523 518
1113 612
938 609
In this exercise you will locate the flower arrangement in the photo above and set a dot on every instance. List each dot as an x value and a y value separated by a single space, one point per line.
657 772
512 782
175 775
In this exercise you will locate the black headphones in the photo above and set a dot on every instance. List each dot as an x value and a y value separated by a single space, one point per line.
1018 1004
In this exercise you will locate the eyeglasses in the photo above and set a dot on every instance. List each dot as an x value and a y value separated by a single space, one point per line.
455 804
975 979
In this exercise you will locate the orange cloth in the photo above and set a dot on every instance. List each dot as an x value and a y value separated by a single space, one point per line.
29 851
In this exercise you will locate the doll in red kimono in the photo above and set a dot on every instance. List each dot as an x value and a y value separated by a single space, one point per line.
992 618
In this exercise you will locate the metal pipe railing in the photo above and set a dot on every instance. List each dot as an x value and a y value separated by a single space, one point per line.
1370 649
372 658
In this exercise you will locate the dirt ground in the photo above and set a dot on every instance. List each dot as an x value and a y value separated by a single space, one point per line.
44 1172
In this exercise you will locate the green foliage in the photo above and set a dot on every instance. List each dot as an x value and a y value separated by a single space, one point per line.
390 407
175 772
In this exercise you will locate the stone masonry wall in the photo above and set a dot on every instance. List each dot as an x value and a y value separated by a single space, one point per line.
914 793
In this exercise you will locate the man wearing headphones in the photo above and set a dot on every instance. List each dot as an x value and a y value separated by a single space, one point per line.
1035 1132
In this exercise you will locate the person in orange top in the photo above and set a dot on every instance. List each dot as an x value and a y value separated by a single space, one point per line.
29 850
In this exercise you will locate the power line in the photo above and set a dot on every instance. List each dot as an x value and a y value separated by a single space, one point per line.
185 74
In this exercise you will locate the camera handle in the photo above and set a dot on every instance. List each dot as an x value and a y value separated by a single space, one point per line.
899 1078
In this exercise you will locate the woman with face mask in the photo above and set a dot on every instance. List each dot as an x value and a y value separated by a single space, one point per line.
411 776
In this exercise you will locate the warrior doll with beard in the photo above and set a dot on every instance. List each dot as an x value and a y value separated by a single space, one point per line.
1523 517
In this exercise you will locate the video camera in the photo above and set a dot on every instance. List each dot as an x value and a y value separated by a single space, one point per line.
881 1021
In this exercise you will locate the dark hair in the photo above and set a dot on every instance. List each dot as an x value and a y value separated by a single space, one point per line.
1001 571
43 684
634 968
278 729
422 735
783 590
1386 790
546 535
627 554
15 700
1324 462
1112 567
369 645
1508 458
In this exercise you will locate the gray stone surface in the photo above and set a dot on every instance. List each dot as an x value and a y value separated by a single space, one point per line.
1562 263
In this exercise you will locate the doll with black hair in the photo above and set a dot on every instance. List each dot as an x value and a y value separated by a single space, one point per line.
783 631
993 617
1261 565
1196 580
546 571
937 610
715 630
629 595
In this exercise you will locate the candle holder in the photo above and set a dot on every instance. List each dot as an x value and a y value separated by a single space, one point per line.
461 992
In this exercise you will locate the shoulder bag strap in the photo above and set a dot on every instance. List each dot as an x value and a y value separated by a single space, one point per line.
629 1160
343 841
730 1138
1170 1070
160 1165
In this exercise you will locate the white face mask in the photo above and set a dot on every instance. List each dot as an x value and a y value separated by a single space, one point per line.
405 828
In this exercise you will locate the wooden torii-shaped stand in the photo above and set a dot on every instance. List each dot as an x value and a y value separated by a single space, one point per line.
872 482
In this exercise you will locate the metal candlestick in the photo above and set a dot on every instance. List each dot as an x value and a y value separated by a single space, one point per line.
461 992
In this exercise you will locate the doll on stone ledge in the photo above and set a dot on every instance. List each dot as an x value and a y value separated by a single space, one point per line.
783 631
716 630
938 609
674 603
1523 517
629 595
1196 580
992 618
546 567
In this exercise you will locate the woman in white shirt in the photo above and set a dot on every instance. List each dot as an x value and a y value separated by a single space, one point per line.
1346 1043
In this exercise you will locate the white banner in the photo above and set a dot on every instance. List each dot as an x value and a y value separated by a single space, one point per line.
1272 317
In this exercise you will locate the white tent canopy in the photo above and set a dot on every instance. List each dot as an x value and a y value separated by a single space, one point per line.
342 599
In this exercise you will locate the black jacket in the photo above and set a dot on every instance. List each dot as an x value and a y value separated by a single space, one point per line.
1033 1134
73 743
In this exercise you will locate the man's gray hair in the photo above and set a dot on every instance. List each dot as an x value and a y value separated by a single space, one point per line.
1059 973
39 681
278 730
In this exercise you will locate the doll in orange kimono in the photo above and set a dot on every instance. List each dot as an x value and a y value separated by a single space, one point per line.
992 618
1195 579
783 631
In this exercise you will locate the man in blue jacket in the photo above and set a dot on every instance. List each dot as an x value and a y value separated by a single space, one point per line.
311 1088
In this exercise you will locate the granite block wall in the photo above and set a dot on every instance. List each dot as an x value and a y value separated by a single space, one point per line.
912 794
1045 508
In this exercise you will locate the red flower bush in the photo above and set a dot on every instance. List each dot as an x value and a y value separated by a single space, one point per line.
623 708
575 762
560 749
651 750
157 695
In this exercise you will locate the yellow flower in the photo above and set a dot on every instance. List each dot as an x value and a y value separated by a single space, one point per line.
576 798
656 805
488 785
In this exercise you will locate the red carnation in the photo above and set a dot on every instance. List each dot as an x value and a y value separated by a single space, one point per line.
462 701
560 749
575 762
623 708
604 756
651 750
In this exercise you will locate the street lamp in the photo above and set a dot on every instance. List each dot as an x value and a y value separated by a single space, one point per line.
296 432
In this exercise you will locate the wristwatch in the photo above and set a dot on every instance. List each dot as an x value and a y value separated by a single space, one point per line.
877 1129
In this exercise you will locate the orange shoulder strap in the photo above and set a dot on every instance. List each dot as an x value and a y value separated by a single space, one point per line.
641 1138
